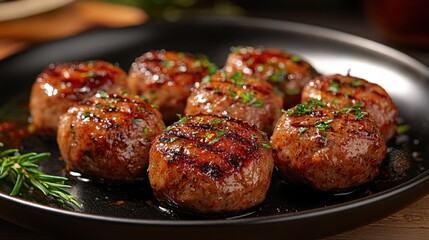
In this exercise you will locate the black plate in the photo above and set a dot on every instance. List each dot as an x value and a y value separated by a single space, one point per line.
113 211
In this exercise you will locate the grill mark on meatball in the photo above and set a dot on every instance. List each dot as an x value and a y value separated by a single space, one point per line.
152 62
184 133
77 78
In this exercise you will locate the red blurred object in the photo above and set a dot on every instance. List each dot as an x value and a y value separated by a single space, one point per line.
401 21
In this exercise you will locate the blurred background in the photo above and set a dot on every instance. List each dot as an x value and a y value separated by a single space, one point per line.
401 24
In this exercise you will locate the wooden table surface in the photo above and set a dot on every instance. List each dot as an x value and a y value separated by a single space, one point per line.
409 223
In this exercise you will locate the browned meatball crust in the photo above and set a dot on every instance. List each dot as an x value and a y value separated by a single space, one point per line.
167 78
211 165
287 72
61 85
328 149
338 91
248 99
109 136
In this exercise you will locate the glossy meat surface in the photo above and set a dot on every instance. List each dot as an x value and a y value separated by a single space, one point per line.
211 165
287 72
328 149
61 85
167 78
108 136
238 96
338 91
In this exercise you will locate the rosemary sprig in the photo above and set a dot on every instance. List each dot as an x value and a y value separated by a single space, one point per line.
22 170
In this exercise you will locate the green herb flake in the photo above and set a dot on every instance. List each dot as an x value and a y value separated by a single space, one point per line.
292 91
90 74
334 86
182 120
260 67
302 130
357 110
216 121
356 82
237 77
217 138
360 115
402 129
141 109
258 103
246 97
323 125
146 131
278 77
232 93
87 114
305 108
200 119
295 59
167 63
266 145
250 61
102 94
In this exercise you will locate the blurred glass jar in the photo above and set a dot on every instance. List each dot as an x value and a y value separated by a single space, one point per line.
401 21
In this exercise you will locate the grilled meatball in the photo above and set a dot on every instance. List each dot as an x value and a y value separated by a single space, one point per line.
339 91
61 85
167 78
328 149
108 136
287 72
211 165
251 100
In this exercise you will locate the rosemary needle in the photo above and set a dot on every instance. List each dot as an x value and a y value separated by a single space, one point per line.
22 169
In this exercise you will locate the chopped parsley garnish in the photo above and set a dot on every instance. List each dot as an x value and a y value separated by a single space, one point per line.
204 61
334 86
357 110
295 59
323 125
144 98
146 131
102 94
137 120
88 74
216 121
182 120
305 108
292 91
87 114
250 99
200 119
266 145
278 77
167 63
232 93
356 82
212 138
237 77
246 97
141 109
401 129
260 67
302 130
258 103
250 61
